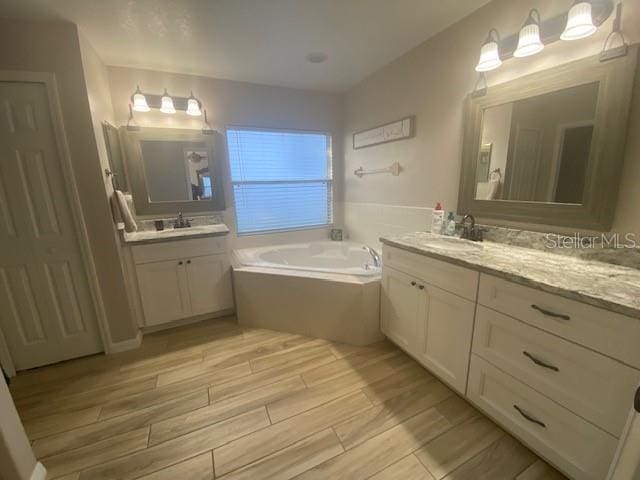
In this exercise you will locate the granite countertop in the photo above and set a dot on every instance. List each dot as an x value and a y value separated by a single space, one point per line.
152 236
611 287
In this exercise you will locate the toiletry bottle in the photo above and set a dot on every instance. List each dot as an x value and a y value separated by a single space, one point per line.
450 229
437 219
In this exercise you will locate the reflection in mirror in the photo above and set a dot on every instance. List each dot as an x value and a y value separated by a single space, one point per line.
537 149
176 171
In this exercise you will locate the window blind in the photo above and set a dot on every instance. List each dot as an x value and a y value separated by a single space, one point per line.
282 180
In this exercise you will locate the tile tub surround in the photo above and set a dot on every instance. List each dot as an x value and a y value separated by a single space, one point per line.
599 284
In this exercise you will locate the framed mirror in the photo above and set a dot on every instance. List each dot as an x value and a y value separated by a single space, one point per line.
173 170
115 156
548 148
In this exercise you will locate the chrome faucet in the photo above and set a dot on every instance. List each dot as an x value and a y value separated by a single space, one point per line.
472 232
374 255
181 222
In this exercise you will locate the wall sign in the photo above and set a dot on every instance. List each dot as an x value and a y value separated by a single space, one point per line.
390 132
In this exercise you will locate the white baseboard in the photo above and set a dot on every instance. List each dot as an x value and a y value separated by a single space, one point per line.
39 472
125 345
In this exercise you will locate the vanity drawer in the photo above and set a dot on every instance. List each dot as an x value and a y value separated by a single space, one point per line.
574 445
593 386
192 247
609 333
452 278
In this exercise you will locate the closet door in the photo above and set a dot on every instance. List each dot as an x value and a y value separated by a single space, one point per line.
47 312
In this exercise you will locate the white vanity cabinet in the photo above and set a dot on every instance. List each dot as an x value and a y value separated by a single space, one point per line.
182 278
419 314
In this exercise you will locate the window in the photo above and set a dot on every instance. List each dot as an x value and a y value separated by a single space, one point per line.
282 180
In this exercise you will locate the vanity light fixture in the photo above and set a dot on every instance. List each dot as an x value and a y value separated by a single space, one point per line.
193 106
529 42
140 101
609 51
490 53
579 21
167 103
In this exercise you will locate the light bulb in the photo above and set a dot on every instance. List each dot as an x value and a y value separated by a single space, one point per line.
579 22
140 101
166 105
193 107
529 42
489 57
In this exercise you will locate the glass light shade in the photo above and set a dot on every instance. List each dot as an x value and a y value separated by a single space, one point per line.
579 22
489 57
140 102
166 105
193 108
529 42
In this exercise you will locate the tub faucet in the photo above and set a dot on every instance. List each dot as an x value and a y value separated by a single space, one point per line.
374 255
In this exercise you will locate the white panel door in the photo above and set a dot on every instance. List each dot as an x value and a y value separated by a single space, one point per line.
164 291
46 310
402 304
444 336
209 280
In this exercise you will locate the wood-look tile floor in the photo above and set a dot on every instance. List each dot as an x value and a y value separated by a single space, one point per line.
214 400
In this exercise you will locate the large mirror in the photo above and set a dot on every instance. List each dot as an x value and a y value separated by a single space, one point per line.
174 170
548 148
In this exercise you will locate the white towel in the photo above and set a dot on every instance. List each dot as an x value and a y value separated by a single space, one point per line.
493 192
121 213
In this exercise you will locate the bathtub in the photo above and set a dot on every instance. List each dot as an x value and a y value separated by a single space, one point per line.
345 258
327 290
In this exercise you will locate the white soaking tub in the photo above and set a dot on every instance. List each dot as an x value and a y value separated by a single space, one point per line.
326 290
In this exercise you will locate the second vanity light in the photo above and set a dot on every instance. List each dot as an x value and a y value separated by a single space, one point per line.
580 21
144 102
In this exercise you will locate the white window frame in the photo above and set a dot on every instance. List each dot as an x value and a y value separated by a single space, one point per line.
329 180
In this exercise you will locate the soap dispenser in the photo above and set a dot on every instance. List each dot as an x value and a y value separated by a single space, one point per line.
437 219
450 228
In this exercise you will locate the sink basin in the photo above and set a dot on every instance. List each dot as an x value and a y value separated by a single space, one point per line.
452 244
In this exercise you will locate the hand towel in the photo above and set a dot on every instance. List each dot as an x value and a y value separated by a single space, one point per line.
121 213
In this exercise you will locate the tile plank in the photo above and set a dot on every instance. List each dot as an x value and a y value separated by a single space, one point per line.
291 461
196 468
280 435
95 432
409 468
179 449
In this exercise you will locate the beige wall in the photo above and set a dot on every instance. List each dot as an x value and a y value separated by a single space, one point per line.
432 81
55 47
236 103
17 460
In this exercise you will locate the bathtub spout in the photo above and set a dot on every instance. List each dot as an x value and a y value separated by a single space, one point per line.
374 255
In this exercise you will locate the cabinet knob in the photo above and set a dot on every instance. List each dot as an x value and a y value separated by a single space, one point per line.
188 261
413 284
421 287
180 262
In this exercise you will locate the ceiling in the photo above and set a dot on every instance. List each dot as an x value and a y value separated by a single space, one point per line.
259 41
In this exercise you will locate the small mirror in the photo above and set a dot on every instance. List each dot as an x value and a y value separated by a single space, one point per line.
537 149
174 170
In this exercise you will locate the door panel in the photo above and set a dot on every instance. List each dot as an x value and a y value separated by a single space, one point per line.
164 292
209 280
444 336
51 316
401 307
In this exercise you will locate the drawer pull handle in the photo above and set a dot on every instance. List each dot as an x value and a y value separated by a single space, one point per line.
529 417
539 362
549 313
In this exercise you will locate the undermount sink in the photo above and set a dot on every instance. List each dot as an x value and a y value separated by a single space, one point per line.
452 244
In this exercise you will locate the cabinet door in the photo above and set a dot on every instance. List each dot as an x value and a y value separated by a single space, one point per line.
402 304
444 336
163 288
209 280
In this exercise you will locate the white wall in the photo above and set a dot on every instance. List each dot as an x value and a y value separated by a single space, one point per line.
432 82
237 103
